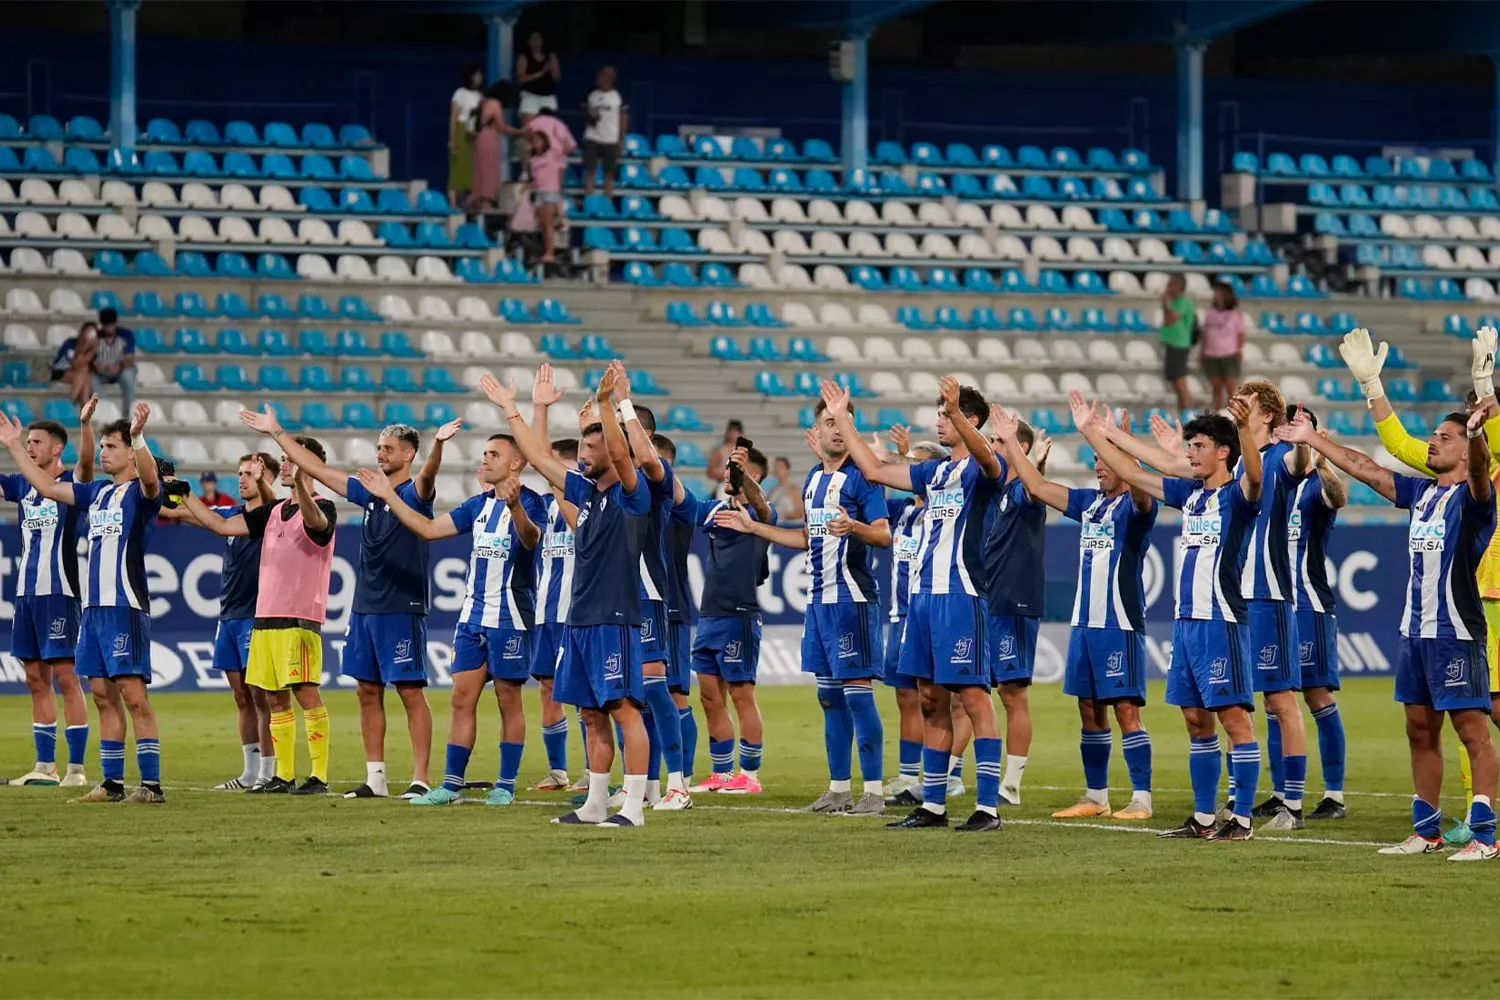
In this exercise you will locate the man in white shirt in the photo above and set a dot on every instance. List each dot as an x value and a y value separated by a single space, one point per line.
608 118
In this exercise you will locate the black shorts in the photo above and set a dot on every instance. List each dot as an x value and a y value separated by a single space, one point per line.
597 153
1175 362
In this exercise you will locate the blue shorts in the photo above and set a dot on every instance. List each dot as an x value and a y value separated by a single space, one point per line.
1318 649
1208 668
680 657
114 643
728 646
1275 658
946 640
546 649
1012 648
842 641
653 634
1446 675
505 650
895 632
386 649
600 666
45 628
1106 664
232 645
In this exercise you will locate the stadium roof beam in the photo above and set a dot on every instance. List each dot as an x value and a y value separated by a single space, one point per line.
122 128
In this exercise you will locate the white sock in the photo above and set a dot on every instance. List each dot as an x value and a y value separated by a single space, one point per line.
1204 819
635 791
251 752
596 807
752 775
75 768
874 788
267 768
1014 768
838 786
675 782
954 763
653 791
1144 798
1099 796
1337 796
941 808
375 777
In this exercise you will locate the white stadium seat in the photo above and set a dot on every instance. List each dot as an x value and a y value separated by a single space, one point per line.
918 350
798 314
430 268
237 197
35 191
1154 250
901 245
1438 257
897 213
835 314
19 337
1030 352
993 351
937 245
1079 218
67 302
888 385
28 260
158 194
1066 352
24 302
70 261
755 276
233 229
676 208
227 413
33 225
1082 248
750 210
275 198
1006 216
863 244
119 194
788 210
752 241
475 344
874 316
279 231
1479 290
197 229
395 307
1112 385
922 385
966 213
1105 354
878 349
190 451
313 267
840 349
316 232
114 227
1000 387
825 212
1282 355
829 244
149 373
472 307
713 240
1124 283
975 247
437 344
75 192
1047 248
858 212
830 276
790 242
1041 217
189 413
793 276
360 451
1011 247
954 349
1118 248
1468 258
1427 225
451 489
1140 354
932 213
1489 227
1395 225
434 307
1154 282
196 194
391 268
1038 386
712 209
1069 381
1460 227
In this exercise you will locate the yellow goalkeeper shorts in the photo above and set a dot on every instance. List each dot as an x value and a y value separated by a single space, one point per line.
1492 643
281 657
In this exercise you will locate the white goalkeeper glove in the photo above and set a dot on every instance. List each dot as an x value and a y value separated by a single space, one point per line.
1483 365
1364 361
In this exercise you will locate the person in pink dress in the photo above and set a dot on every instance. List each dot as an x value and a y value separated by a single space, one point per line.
1223 344
551 144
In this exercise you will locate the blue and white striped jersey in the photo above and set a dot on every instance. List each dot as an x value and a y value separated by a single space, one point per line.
905 516
840 566
655 586
1307 528
1014 547
1111 548
1267 573
49 540
120 520
1216 527
1446 536
950 558
501 585
554 566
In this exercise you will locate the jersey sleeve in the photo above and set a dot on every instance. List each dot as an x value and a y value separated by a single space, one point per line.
84 493
1482 511
356 493
1408 488
14 486
638 500
577 487
685 512
466 513
535 508
257 518
150 504
407 491
1243 505
870 502
1175 492
1078 502
1409 451
669 477
921 475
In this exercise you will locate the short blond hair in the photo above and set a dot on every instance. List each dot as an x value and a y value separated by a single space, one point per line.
1268 399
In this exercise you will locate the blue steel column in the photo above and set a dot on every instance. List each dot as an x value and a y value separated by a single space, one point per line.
122 72
1190 120
855 137
500 64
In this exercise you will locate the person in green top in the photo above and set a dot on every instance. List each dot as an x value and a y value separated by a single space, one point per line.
1178 322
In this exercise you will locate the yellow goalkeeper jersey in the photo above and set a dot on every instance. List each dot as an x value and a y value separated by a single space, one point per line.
1413 452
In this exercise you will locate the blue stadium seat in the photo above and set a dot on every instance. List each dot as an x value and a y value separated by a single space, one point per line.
597 347
966 186
554 311
440 379
636 207
273 306
201 132
722 314
233 378
760 314
803 349
316 415
764 349
556 347
430 202
432 235
715 275
44 127
675 178
116 161
949 318
111 263
395 344
311 305
867 277
9 127
643 383
272 343
637 272
1264 286
318 136
723 347
357 378
360 416
314 378
38 159
280 166
1090 283
690 456
515 311
671 146
351 168
190 264
147 304
983 318
960 154
236 164
685 418
1323 356
281 134
889 153
911 317
674 240
782 151
805 383
597 206
150 340
819 182
80 160
770 384
17 375
678 275
906 279
388 201
103 298
996 156
925 154
1057 320
396 235
191 378
274 267
274 378
1014 282
190 304
150 264
1037 186
241 133
83 128
512 271
639 240
850 381
472 270
942 279
682 314
1099 158
351 343
1021 320
890 184
160 163
977 279
1031 158
818 151
352 135
1064 158
437 414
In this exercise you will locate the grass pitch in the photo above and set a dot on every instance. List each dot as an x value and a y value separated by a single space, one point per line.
219 894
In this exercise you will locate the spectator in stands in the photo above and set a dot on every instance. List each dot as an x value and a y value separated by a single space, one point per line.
1178 325
782 492
715 471
462 120
608 118
538 73
489 126
551 145
114 359
73 360
208 488
1223 344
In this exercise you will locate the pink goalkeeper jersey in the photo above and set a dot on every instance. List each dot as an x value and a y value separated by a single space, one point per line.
294 570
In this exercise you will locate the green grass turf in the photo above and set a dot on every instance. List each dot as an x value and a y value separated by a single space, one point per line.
228 895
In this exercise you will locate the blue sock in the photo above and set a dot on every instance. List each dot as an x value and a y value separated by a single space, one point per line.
78 743
689 739
1331 746
721 756
1137 749
1094 746
45 738
668 722
910 752
1204 763
1246 757
112 759
1482 821
148 760
838 729
1295 769
555 740
1273 751
956 767
986 773
653 745
1426 819
935 779
869 732
750 754
510 765
455 765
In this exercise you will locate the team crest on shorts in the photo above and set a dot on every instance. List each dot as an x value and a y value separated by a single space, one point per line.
121 644
1454 673
1218 670
846 644
732 651
513 646
963 650
58 629
646 629
1007 647
1115 665
403 651
612 671
1267 657
1305 651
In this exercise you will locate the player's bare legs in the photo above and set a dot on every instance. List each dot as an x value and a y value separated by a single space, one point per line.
419 725
147 738
372 733
40 676
714 699
752 738
963 735
1015 697
111 710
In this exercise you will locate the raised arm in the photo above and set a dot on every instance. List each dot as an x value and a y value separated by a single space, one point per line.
544 392
12 435
527 530
750 490
566 507
198 514
897 477
83 472
1480 487
648 460
1052 494
425 480
1335 493
1127 468
1356 463
971 436
615 445
739 519
145 462
537 451
431 529
314 517
1254 474
304 460
1165 456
